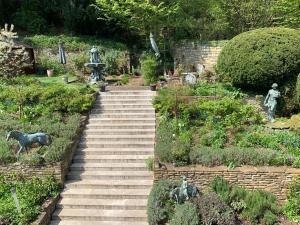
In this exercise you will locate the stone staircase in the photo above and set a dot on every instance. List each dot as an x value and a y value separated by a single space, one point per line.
108 183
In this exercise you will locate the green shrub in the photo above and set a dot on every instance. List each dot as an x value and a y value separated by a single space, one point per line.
215 138
292 207
149 163
222 188
31 194
159 207
79 60
258 58
149 70
181 148
212 210
48 63
185 214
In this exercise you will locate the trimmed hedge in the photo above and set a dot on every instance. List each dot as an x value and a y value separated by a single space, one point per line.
258 58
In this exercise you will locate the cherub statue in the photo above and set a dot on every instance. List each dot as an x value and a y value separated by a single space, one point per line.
271 102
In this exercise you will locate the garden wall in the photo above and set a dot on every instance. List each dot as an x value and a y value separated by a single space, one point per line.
193 53
58 170
273 179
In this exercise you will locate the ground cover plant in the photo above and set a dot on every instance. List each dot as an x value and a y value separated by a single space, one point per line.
210 124
31 106
220 204
31 194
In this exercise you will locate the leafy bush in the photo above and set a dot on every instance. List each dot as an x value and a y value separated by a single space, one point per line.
185 214
149 70
212 210
258 58
233 156
149 163
48 63
31 194
292 207
159 207
79 60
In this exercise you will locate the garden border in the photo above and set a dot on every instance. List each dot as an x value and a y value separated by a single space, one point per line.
269 178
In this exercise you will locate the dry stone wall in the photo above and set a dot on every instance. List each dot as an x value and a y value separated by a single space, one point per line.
192 53
273 179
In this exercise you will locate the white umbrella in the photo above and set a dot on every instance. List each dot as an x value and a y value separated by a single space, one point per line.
154 45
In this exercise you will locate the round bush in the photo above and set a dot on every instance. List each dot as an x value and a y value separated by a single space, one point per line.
258 58
185 214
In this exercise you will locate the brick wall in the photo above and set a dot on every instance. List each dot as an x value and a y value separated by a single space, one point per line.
273 179
193 53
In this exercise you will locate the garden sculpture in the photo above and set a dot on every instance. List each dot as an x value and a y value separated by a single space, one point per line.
27 140
95 65
94 55
184 192
271 102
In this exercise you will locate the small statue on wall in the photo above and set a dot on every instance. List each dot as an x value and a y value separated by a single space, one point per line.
271 102
184 192
27 140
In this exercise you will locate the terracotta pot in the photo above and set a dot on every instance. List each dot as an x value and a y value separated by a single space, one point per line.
50 73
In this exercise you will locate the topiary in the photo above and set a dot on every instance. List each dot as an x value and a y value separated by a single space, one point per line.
185 214
160 208
149 69
258 58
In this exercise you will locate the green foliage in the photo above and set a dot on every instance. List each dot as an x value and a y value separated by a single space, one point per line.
31 194
159 207
287 13
212 210
261 57
149 70
185 214
49 63
292 207
79 60
149 163
255 206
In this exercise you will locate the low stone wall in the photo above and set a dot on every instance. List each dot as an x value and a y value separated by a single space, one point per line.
273 179
58 170
193 53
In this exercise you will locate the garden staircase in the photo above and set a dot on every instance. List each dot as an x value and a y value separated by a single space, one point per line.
108 183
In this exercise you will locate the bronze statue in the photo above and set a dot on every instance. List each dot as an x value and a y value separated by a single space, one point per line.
271 102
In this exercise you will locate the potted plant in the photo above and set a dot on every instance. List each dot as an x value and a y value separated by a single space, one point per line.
50 72
102 86
153 86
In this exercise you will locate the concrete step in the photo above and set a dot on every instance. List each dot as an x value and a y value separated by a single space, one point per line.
78 222
124 110
100 215
133 92
112 175
117 145
114 138
115 151
119 132
145 126
122 106
121 121
110 184
106 193
104 204
125 97
127 88
110 159
122 115
124 101
108 167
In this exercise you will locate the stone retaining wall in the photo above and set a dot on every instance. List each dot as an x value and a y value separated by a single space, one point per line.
58 170
273 179
193 53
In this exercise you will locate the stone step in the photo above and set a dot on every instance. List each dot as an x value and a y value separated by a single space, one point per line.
112 175
124 110
117 145
106 193
133 92
124 101
108 167
144 126
128 88
121 121
110 158
119 132
104 204
115 151
119 138
125 97
107 106
110 184
78 222
123 115
100 215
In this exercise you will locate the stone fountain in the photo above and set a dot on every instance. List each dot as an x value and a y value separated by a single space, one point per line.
95 66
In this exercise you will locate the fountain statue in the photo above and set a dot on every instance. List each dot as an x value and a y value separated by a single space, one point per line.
95 66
